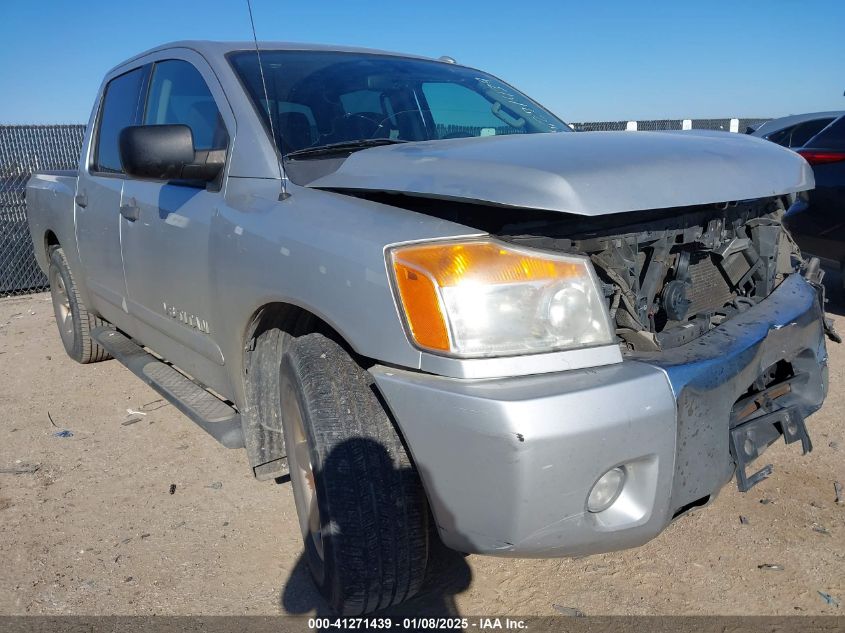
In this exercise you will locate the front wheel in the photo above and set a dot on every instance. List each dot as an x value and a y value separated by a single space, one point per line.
362 510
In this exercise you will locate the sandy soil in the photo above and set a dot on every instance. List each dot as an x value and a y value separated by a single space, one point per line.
96 530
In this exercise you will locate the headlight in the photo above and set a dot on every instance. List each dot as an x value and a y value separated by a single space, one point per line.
485 298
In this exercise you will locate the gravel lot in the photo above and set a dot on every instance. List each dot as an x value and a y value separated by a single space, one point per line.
96 530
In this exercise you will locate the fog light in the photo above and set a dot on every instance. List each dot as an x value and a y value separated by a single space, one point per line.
606 490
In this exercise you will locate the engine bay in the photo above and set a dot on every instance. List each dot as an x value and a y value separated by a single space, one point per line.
670 276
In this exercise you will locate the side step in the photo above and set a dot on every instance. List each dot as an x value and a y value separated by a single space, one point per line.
216 417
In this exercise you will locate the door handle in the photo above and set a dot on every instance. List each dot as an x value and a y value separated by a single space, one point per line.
131 211
81 199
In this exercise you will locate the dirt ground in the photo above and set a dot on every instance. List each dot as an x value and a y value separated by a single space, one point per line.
98 528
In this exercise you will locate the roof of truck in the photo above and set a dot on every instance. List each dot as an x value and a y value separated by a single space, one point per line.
213 48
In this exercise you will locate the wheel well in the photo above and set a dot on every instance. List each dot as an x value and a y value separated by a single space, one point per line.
295 321
50 239
271 325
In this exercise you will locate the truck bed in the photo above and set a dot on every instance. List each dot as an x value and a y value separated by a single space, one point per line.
49 204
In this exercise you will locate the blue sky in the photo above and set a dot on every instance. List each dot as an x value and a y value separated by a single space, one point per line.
586 61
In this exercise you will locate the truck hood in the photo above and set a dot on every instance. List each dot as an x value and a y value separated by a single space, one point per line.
584 173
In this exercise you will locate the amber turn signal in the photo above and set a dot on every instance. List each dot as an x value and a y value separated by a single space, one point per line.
482 298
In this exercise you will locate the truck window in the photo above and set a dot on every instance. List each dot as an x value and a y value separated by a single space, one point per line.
120 109
179 95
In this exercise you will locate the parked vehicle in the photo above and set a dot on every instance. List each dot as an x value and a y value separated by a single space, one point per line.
818 226
416 290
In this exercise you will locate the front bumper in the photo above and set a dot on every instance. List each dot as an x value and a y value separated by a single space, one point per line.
508 463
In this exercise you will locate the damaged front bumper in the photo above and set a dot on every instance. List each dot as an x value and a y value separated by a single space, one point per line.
508 463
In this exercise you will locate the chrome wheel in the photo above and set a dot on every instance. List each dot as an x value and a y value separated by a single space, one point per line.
301 472
61 307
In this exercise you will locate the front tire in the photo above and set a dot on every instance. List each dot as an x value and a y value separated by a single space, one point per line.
361 506
72 317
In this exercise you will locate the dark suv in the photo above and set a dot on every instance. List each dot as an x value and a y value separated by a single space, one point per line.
820 139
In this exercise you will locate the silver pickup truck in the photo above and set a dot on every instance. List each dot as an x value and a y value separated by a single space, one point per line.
422 295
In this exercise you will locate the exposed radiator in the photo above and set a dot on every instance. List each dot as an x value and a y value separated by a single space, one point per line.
709 289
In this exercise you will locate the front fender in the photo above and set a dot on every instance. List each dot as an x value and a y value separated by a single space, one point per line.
317 250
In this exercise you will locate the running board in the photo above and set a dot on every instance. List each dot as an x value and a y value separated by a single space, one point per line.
216 417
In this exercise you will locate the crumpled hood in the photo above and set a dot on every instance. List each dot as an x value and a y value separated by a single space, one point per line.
584 173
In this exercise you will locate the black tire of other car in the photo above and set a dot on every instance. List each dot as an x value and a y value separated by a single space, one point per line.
361 505
72 317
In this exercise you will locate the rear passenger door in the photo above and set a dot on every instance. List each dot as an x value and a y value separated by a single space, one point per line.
99 195
166 238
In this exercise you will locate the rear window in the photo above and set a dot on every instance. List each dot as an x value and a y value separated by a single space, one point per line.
121 108
362 101
833 137
797 135
803 132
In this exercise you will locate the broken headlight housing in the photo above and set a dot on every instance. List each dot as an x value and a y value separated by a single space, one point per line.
486 298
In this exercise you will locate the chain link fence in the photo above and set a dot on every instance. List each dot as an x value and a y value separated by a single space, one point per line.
600 126
25 149
659 125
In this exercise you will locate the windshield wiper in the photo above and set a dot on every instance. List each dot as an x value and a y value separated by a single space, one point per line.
342 147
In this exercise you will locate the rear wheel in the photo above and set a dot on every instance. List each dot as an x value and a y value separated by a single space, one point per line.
72 317
361 506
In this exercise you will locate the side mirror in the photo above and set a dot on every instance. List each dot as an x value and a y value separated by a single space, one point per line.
166 152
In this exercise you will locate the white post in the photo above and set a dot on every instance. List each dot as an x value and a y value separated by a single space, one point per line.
686 124
734 125
631 126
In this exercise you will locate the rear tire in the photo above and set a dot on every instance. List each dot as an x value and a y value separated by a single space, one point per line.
361 505
72 317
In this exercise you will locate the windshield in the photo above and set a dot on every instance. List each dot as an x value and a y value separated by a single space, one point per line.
320 98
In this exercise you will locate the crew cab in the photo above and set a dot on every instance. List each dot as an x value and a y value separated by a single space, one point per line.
424 297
